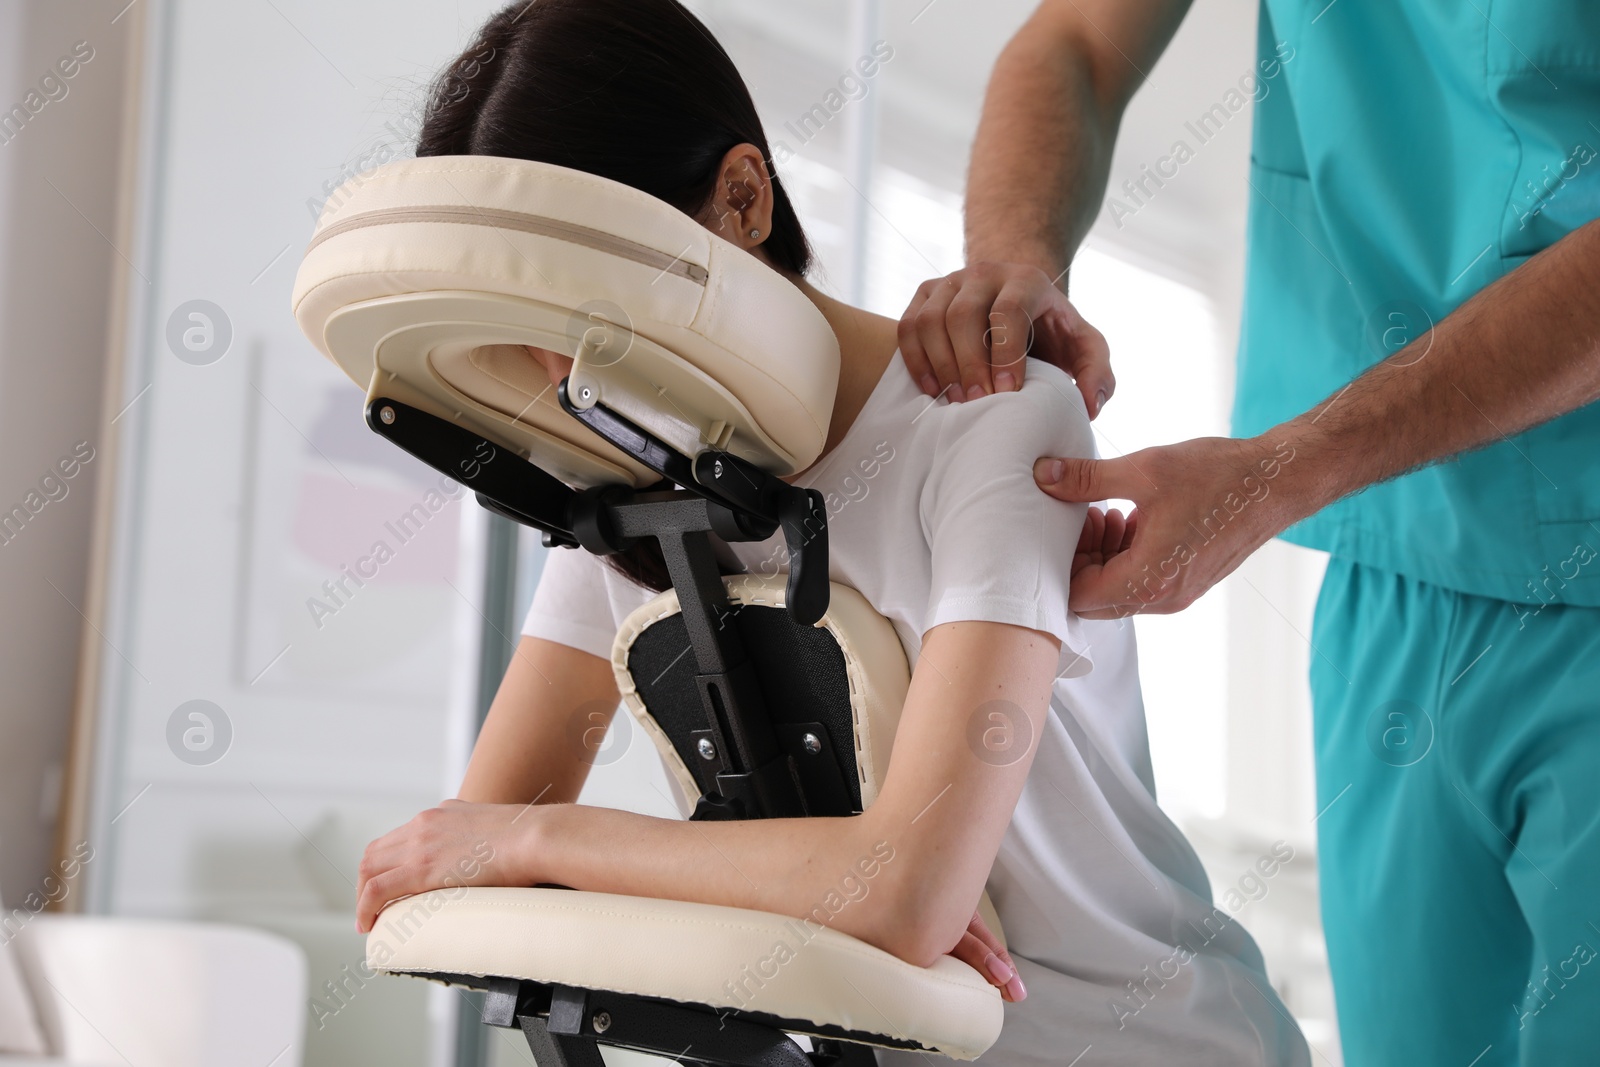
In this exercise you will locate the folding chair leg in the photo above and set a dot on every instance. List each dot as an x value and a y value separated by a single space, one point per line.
566 1026
831 1053
558 1050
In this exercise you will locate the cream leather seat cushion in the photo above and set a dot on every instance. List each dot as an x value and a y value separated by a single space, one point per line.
692 953
425 277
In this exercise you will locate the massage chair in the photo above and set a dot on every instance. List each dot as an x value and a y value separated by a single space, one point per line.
701 377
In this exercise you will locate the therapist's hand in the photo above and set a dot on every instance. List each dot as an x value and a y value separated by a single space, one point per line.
967 334
1202 506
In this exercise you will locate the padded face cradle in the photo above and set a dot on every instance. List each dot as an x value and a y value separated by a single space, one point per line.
426 276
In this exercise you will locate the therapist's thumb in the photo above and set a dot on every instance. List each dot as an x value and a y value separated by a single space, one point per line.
1084 481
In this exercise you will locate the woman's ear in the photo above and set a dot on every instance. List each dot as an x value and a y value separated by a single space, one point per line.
741 204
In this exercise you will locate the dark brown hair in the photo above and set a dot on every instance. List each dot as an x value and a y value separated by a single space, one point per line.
637 91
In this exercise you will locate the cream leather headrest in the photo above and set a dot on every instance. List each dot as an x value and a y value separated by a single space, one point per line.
426 276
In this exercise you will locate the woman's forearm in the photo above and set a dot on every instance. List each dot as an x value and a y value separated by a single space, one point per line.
920 854
843 873
544 729
906 875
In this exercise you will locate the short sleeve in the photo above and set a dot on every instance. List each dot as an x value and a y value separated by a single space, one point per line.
572 604
1001 548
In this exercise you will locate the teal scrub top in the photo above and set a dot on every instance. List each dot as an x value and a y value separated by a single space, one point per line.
1406 154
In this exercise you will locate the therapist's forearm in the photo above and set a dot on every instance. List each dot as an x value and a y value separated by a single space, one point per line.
1042 153
1040 158
1521 352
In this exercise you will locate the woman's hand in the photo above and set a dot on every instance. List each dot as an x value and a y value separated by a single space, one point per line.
455 844
983 952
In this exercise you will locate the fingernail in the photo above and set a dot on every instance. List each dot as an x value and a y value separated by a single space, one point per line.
930 385
997 967
1100 399
1004 382
1017 990
975 392
1048 471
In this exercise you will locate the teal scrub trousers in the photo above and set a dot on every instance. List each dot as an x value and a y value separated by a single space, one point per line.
1458 785
1405 155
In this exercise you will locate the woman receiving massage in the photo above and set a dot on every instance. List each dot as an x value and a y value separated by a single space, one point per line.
1114 941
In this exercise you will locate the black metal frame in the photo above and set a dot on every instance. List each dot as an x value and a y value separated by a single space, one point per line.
722 496
565 1026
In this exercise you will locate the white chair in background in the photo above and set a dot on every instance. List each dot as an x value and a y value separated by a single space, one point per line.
153 993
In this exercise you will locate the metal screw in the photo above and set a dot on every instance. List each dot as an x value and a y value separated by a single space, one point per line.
716 468
812 743
586 392
601 1021
386 415
707 750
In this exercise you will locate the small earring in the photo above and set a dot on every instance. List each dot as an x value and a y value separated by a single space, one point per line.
754 234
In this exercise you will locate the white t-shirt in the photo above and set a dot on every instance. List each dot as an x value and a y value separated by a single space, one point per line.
933 515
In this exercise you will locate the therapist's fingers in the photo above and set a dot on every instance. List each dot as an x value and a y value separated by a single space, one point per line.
942 335
1067 339
1011 334
968 326
1031 316
1083 481
911 351
1203 507
1111 537
1129 531
1094 524
1105 534
969 334
933 334
1088 551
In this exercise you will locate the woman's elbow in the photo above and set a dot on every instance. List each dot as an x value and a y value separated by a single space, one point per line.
908 899
920 941
913 925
